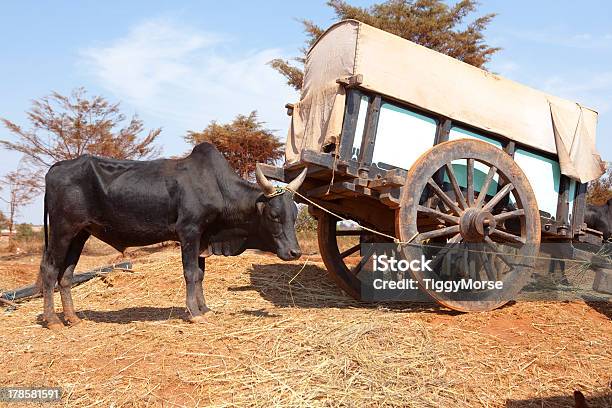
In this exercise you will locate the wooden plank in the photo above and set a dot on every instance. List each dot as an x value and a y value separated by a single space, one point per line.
289 107
442 131
392 179
603 280
390 197
339 189
369 136
589 236
351 112
510 148
351 81
343 169
563 205
579 208
368 211
313 157
361 182
33 290
326 192
273 172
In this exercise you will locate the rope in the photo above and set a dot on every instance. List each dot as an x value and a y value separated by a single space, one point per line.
382 234
336 155
409 242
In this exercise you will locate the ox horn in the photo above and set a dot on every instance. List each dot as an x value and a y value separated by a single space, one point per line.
297 182
265 184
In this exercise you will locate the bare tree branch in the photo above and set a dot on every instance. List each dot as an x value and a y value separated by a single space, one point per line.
65 127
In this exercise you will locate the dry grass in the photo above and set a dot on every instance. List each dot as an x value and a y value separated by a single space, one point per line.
310 245
282 335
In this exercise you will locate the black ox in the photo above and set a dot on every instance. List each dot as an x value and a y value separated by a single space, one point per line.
599 217
198 201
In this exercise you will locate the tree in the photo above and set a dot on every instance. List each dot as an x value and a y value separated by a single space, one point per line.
600 191
65 127
22 188
243 142
24 232
3 221
305 221
431 23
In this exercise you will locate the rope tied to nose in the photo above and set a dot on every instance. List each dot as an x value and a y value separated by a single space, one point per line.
373 231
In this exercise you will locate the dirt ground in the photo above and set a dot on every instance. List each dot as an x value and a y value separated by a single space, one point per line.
282 334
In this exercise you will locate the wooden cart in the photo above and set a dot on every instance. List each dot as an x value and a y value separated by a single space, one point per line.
425 177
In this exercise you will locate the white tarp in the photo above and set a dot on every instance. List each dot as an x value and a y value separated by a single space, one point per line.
392 66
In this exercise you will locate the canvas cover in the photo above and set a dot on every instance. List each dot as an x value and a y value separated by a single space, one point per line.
398 68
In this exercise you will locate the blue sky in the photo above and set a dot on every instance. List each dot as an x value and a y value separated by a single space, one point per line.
179 65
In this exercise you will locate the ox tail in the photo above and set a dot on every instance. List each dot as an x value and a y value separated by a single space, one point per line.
39 278
46 227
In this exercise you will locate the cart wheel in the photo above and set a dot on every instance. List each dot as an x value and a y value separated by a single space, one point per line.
470 208
339 246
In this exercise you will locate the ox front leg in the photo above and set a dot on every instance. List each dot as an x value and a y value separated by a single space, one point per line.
190 249
201 299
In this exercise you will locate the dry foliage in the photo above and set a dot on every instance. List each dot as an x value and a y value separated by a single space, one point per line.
600 190
244 142
65 127
431 23
21 186
282 334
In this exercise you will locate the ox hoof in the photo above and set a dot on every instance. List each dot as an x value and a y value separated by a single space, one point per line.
73 320
53 322
55 326
198 319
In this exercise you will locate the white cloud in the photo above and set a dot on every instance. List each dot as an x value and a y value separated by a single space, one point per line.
190 77
504 67
563 38
591 89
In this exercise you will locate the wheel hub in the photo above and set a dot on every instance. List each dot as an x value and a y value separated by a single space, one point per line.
475 224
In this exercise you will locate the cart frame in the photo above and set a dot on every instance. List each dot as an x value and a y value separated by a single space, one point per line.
354 188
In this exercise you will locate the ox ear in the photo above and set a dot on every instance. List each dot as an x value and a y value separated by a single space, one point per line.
265 184
297 182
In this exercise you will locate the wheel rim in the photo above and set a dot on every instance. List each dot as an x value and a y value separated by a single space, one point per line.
497 233
335 254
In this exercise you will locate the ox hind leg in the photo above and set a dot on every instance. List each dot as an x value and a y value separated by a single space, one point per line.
65 276
53 262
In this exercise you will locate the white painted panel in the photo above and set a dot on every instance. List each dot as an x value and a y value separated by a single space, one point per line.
402 137
459 133
361 117
544 176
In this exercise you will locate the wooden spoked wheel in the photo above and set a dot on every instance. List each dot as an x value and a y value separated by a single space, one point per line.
470 209
340 249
